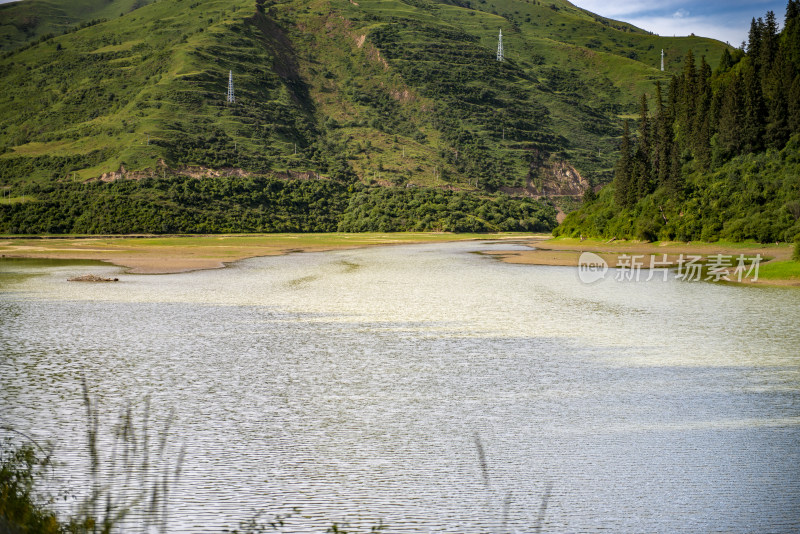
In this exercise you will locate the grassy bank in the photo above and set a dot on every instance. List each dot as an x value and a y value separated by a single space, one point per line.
786 271
776 267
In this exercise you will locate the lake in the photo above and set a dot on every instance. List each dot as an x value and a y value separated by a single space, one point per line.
358 387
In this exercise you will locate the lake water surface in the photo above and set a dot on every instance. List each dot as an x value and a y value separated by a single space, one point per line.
350 386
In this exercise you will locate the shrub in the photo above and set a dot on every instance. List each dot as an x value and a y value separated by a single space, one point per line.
21 509
647 230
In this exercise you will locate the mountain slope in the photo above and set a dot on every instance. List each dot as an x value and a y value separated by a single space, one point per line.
390 91
23 22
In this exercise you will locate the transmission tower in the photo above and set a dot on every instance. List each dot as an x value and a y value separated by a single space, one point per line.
231 98
500 47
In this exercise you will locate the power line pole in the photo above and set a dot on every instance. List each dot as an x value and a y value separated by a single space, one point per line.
500 55
662 59
231 97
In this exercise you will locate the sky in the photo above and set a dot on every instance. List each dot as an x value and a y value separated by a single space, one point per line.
726 20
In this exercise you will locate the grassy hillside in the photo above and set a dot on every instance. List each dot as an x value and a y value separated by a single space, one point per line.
392 92
23 22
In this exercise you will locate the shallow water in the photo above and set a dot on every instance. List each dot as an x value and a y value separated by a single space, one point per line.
351 385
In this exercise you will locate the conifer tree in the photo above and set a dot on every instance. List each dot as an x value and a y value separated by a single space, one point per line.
716 104
642 166
686 101
769 41
725 62
790 47
662 139
622 178
777 84
672 114
731 121
701 129
689 72
790 37
793 107
754 39
672 97
752 132
676 183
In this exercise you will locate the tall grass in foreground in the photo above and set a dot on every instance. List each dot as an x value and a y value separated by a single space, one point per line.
137 476
129 480
499 524
131 474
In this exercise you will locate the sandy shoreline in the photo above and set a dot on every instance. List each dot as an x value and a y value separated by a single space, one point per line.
165 255
175 254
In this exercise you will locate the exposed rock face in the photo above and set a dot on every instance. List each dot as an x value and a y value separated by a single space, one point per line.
195 171
551 179
557 179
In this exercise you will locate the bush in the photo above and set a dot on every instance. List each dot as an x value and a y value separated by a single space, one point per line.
647 230
21 510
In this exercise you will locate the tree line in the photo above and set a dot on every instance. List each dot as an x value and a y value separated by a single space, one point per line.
181 204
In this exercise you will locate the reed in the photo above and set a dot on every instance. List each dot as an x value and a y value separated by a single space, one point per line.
493 497
130 475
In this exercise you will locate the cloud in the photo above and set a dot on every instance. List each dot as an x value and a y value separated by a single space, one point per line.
639 8
625 7
681 26
725 20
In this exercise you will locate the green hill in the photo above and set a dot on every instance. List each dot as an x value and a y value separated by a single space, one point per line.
23 22
391 92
